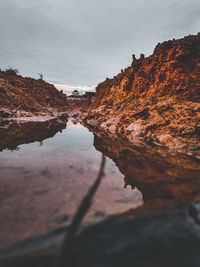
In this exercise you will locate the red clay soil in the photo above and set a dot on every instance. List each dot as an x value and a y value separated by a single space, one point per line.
29 94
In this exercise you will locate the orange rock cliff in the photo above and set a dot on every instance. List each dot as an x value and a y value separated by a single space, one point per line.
156 99
172 69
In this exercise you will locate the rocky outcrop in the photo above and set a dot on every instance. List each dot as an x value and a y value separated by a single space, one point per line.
156 99
27 94
165 122
173 69
163 239
81 105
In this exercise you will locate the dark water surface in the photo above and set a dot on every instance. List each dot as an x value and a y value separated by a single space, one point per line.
46 168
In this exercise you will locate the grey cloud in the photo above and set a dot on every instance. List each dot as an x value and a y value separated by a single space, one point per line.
82 42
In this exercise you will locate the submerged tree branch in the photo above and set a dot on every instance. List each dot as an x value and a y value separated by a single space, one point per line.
78 217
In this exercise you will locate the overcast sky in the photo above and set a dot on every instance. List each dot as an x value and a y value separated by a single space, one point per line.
81 42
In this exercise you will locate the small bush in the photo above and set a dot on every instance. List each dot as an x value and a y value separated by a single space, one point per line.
41 76
12 71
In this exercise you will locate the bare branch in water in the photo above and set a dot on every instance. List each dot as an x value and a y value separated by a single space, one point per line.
78 217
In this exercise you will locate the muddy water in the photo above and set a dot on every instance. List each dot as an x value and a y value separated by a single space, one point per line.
43 181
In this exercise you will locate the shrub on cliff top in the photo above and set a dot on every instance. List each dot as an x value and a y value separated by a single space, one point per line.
41 76
12 71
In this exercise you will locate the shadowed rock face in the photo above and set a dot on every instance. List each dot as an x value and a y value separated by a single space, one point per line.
162 178
165 239
13 134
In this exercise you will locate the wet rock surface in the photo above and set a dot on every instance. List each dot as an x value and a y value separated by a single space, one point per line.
165 239
163 122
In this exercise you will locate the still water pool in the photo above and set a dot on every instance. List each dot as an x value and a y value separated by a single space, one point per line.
46 169
42 182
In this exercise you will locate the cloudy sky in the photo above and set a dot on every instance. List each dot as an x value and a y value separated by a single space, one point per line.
81 42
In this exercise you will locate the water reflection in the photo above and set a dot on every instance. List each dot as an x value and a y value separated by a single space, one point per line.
161 177
42 186
13 134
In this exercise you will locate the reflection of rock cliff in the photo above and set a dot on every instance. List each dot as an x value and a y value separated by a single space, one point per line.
158 176
15 134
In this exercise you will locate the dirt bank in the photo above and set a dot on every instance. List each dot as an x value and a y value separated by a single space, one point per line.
27 94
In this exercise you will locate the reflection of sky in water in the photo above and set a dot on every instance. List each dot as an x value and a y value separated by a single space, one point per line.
41 185
72 138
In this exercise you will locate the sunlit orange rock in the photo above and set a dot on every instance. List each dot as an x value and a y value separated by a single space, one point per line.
172 69
156 99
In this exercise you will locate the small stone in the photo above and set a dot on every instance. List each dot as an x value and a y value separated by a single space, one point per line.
112 129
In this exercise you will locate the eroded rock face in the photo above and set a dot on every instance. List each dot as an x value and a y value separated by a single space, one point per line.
173 68
157 99
27 94
165 122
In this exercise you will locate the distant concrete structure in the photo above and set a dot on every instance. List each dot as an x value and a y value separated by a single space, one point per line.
75 95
